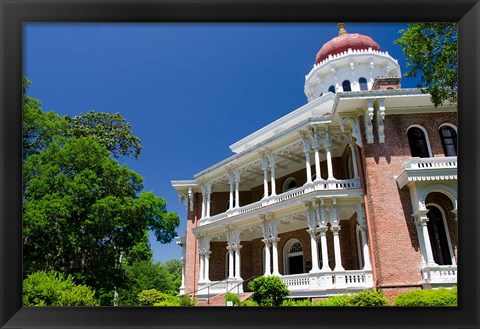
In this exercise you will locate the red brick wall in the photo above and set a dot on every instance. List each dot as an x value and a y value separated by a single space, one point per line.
395 242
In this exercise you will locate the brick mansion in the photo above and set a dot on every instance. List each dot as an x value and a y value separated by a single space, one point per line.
356 189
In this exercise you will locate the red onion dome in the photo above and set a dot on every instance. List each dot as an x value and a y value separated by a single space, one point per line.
343 42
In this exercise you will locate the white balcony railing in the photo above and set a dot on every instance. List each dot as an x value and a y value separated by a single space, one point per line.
428 169
307 189
357 279
438 274
427 163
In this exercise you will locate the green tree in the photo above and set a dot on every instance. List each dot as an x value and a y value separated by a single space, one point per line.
431 52
39 128
81 209
54 289
109 130
146 275
268 290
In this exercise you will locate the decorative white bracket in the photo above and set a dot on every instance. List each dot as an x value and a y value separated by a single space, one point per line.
355 129
368 117
379 120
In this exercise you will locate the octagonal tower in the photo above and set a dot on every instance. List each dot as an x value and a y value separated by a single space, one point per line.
349 62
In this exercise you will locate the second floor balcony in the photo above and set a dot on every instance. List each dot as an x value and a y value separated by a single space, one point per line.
291 198
428 169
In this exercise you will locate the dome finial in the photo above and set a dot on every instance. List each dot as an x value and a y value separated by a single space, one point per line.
341 29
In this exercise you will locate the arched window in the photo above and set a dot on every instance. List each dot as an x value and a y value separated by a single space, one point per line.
439 237
331 89
418 142
448 135
293 257
289 184
363 84
346 86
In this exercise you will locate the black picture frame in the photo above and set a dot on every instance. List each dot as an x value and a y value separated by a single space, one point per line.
14 13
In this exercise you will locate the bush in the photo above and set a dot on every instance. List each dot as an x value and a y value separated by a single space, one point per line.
300 302
55 289
368 298
248 302
186 300
364 298
437 297
333 301
268 290
231 297
154 297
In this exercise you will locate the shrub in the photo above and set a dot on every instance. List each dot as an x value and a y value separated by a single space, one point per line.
368 298
268 290
231 297
437 297
153 297
55 289
293 302
186 300
333 301
364 298
248 302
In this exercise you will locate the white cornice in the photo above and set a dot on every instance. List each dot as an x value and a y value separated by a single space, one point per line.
316 108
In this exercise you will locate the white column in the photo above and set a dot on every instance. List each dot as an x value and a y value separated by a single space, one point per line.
202 267
230 262
236 174
204 200
265 176
328 145
267 257
323 241
272 170
209 194
306 150
275 255
421 221
367 266
354 159
318 172
314 248
237 262
207 266
336 244
230 181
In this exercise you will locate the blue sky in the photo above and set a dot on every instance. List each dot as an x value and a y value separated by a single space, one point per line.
188 90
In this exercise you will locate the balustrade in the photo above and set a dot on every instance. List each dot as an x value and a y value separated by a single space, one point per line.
425 163
307 190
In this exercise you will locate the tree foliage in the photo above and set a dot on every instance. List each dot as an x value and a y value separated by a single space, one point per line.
81 208
146 275
431 52
109 130
39 128
54 289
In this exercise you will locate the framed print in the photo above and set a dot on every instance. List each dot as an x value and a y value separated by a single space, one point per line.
317 177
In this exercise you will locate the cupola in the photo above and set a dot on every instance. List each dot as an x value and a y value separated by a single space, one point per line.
345 41
347 63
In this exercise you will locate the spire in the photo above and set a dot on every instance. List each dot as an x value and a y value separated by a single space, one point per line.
341 29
